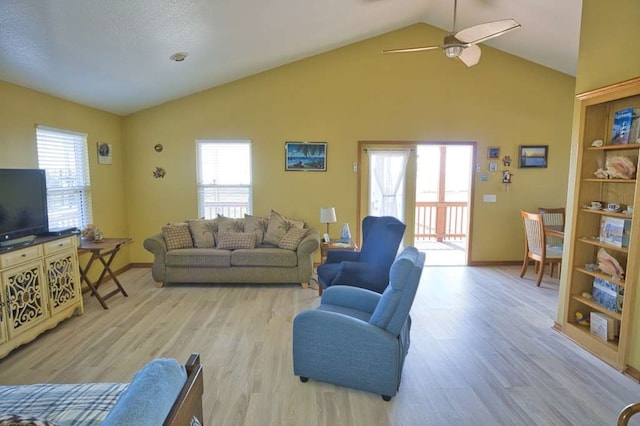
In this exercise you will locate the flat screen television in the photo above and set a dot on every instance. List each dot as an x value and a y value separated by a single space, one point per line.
23 203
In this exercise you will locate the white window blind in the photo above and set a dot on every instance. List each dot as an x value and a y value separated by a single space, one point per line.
64 157
224 178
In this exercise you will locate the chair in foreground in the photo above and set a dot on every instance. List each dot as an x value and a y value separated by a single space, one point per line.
358 338
536 247
369 267
628 412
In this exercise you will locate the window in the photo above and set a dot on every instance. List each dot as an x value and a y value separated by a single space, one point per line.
224 178
63 155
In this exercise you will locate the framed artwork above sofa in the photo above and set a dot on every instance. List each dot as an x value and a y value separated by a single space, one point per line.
305 156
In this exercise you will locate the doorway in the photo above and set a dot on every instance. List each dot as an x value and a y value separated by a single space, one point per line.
435 188
442 204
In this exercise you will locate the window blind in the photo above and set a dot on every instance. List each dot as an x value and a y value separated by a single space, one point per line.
64 157
224 178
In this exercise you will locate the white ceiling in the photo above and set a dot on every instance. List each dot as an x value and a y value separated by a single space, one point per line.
114 54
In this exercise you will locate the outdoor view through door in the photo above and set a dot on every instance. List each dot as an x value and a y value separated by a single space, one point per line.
442 202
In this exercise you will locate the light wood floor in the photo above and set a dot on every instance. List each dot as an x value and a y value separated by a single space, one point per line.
482 353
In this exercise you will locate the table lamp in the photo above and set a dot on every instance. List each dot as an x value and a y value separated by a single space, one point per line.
328 215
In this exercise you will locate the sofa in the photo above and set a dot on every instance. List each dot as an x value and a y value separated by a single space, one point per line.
252 249
162 392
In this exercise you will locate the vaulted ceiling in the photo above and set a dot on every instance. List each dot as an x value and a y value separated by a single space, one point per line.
114 55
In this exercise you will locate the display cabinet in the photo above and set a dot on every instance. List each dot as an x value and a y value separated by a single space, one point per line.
40 286
605 176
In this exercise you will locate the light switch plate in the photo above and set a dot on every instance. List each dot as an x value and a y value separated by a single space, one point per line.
489 198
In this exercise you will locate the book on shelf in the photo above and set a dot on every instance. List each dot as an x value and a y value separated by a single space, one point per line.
634 133
621 126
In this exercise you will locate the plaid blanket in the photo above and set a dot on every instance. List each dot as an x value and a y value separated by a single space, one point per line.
62 404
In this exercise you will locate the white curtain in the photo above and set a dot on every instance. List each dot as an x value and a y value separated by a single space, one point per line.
387 175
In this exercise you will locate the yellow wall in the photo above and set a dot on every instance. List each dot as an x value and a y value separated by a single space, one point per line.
350 94
608 40
21 109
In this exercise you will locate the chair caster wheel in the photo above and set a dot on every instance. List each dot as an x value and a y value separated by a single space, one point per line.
386 397
304 379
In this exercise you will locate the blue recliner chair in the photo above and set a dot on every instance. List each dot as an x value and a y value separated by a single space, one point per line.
369 267
359 338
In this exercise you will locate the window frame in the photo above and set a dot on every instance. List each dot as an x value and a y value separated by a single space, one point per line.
72 187
230 211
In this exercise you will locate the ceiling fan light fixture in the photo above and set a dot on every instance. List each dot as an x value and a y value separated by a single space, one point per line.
453 51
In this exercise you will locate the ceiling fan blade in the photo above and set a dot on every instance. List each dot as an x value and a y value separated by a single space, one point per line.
470 55
483 32
411 49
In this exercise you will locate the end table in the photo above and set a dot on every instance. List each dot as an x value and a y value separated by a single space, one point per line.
325 248
104 251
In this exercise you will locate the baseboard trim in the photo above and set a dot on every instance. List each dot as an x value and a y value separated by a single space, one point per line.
633 373
495 262
139 265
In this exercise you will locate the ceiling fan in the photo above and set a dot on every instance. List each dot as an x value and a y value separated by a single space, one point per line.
463 44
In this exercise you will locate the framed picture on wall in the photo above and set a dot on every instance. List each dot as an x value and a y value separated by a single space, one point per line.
532 156
105 153
493 152
305 156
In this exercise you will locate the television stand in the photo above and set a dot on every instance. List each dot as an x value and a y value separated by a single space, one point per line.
18 242
39 287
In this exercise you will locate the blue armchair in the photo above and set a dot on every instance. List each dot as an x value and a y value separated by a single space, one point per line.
369 267
359 338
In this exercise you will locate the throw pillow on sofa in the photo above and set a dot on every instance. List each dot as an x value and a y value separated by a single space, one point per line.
229 224
236 240
177 236
203 232
256 225
278 226
292 238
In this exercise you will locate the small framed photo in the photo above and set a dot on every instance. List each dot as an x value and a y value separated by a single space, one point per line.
533 156
305 156
105 153
494 152
493 166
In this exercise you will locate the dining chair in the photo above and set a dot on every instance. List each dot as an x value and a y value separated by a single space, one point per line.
536 247
553 216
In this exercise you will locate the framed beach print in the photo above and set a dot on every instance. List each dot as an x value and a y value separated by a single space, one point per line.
305 156
532 156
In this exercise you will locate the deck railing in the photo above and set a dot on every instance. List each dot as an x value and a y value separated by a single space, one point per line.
228 210
441 221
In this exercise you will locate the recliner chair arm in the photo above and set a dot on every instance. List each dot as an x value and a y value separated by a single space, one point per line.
325 326
351 297
366 275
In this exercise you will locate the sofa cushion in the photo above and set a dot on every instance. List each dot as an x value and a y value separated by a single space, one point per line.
292 238
278 226
236 240
197 257
203 232
264 257
256 225
229 224
177 236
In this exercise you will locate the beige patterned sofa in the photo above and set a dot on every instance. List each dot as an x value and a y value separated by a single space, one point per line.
252 249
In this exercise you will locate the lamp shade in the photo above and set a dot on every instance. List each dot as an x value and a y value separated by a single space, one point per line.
328 215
